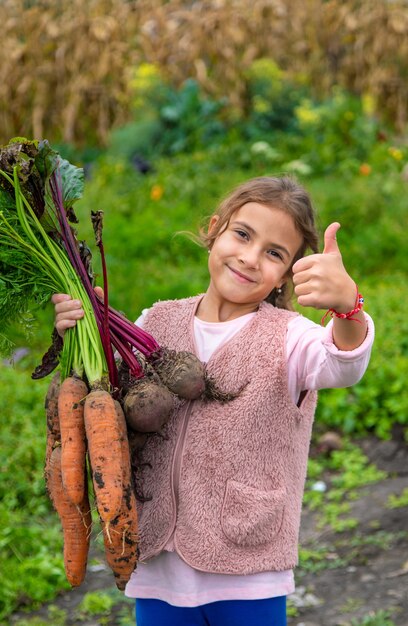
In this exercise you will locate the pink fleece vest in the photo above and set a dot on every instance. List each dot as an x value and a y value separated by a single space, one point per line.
226 480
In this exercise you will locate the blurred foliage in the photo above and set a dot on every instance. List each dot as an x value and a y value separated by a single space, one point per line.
169 121
72 71
30 541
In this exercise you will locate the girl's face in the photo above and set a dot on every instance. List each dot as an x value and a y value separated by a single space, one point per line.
251 257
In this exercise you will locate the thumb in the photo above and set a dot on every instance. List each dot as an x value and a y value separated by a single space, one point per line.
99 292
330 241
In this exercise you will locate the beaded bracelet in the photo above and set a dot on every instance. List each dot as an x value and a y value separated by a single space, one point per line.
349 315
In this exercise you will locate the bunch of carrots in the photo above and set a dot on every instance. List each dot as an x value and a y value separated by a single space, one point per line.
115 381
80 423
86 427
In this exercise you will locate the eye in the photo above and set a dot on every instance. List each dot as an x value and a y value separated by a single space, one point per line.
242 234
275 254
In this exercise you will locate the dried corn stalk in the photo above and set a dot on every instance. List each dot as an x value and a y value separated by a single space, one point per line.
65 66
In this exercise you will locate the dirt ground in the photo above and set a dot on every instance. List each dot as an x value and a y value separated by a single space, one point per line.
364 571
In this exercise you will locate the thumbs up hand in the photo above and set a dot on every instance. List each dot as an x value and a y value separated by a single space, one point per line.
321 280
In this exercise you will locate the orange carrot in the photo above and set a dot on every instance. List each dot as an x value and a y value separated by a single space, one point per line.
104 449
121 536
53 427
71 417
76 522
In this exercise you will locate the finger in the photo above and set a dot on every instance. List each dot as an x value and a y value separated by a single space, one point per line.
59 297
304 289
99 292
73 314
67 306
302 277
63 325
309 300
67 319
330 241
304 263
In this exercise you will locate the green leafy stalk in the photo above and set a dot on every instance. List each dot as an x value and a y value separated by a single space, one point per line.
33 267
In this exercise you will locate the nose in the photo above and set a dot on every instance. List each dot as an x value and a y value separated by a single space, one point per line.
249 257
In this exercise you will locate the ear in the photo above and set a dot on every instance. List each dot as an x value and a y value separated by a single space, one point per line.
213 220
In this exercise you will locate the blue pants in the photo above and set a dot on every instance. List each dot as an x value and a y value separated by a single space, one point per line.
269 612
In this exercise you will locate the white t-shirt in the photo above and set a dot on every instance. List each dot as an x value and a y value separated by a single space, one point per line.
314 362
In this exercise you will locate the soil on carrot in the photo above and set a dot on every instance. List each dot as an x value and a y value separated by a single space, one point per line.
353 578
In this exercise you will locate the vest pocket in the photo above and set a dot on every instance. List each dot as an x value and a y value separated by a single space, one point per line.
251 517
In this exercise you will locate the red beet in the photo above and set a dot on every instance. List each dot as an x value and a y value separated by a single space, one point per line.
182 372
147 406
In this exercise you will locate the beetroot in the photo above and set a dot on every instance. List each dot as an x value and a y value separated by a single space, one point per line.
147 406
182 372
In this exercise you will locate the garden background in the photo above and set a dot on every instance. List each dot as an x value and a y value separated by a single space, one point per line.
167 105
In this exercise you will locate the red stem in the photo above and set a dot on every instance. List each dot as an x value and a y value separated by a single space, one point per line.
129 358
136 336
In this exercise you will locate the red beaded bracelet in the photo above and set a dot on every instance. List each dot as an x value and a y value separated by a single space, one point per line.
349 315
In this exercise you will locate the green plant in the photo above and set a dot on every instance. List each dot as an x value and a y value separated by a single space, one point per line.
291 609
30 536
32 621
95 603
272 98
379 618
395 502
347 470
126 613
55 616
334 131
318 558
170 121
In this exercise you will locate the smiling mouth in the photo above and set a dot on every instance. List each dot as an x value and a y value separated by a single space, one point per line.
243 277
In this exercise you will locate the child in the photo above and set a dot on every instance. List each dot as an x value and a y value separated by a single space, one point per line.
218 534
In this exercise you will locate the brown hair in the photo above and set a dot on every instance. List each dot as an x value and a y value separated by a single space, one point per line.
283 193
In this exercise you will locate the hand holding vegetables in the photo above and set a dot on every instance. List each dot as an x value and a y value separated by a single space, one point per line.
69 311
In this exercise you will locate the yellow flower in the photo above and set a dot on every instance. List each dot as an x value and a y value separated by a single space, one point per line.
369 104
265 69
156 192
143 79
261 105
306 115
396 153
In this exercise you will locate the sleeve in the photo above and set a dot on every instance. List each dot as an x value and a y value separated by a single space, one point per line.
142 317
314 362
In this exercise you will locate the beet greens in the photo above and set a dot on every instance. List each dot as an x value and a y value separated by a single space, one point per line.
41 255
